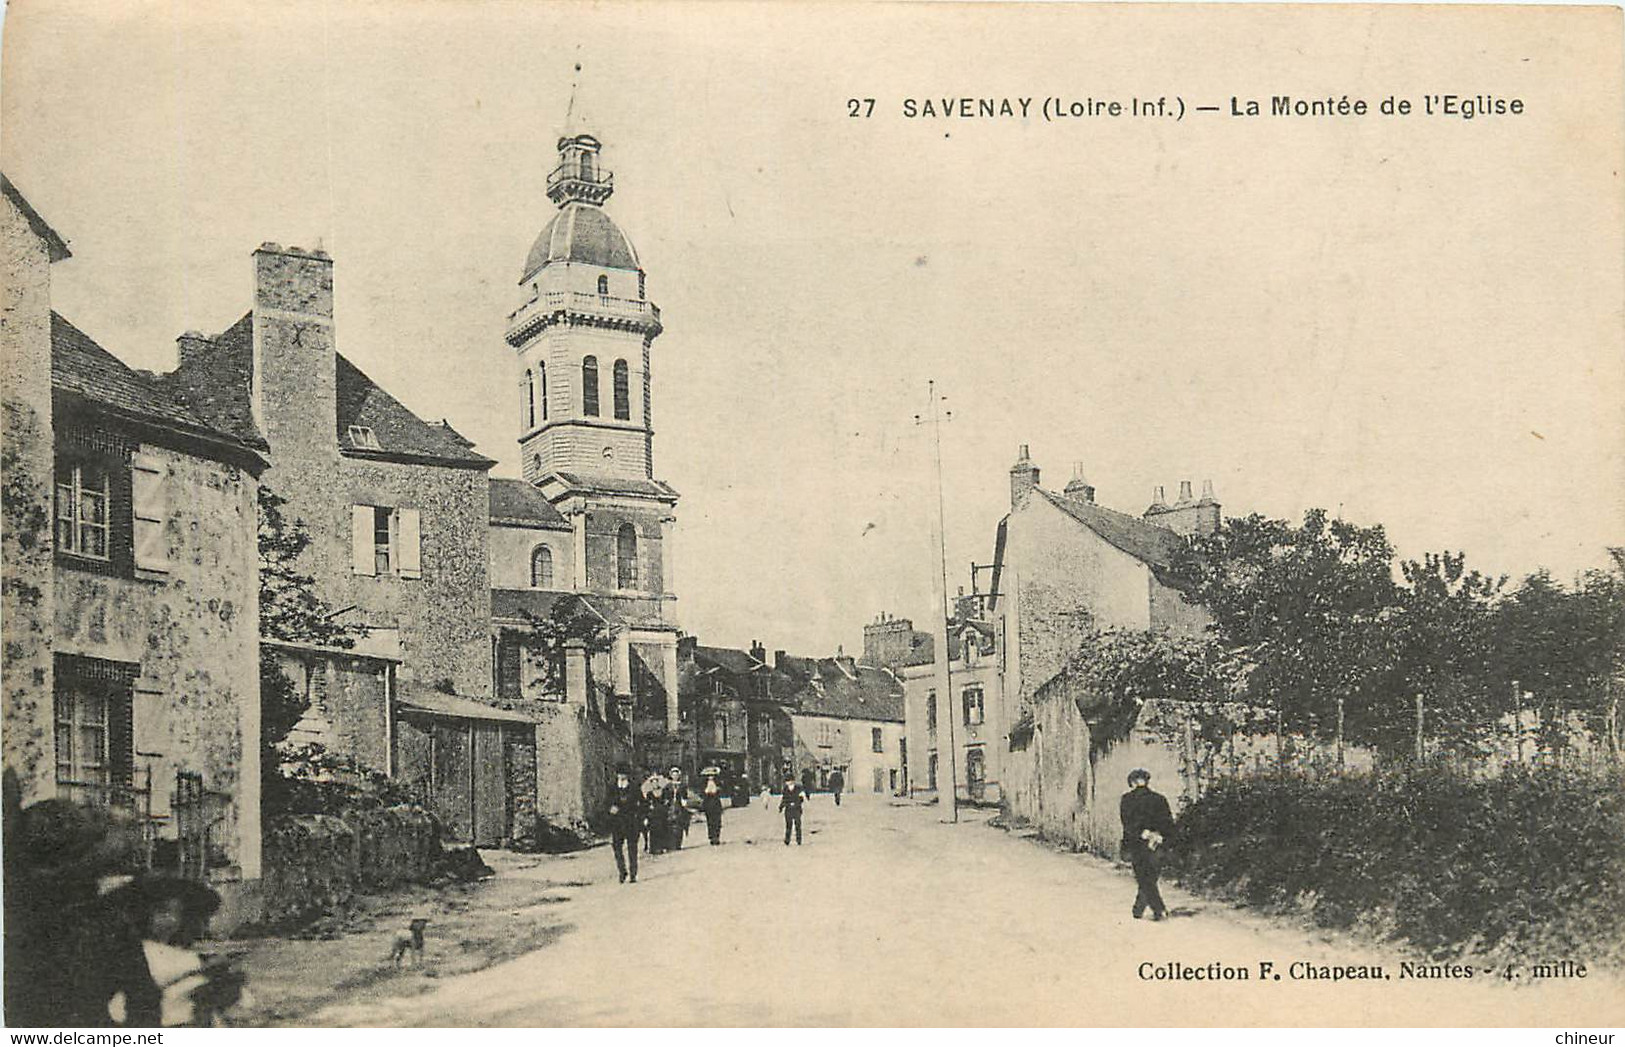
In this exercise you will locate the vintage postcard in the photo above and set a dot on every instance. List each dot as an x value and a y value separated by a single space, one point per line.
813 515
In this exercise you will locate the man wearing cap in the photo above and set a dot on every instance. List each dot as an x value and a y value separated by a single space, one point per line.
1147 822
790 802
625 819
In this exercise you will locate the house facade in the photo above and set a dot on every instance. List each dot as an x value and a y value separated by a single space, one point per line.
845 717
1063 566
131 588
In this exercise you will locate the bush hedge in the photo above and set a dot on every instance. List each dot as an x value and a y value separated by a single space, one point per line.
1525 866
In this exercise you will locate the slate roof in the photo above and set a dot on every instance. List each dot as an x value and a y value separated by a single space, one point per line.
400 433
839 687
924 646
617 484
82 367
515 604
518 503
729 659
1145 542
215 383
416 697
55 246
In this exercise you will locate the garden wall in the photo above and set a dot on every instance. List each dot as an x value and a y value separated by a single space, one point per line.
317 862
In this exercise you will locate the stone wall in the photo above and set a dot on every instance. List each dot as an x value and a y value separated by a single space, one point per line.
26 466
511 549
1048 782
194 633
576 754
314 863
444 616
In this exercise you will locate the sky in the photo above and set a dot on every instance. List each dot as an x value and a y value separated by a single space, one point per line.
1415 322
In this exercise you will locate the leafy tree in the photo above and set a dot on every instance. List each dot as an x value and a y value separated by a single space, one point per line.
1442 648
290 611
1566 646
1307 609
545 638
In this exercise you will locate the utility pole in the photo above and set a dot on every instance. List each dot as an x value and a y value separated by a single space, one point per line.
946 753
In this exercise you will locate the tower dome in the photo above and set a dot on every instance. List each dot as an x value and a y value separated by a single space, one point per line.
581 232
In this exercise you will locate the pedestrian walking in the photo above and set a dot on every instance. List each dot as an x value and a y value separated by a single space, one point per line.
711 804
767 797
1147 824
625 820
659 815
837 783
679 798
790 802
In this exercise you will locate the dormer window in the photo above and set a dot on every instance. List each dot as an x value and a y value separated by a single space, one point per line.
363 437
603 285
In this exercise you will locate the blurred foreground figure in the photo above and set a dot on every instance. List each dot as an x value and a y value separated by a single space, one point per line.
89 944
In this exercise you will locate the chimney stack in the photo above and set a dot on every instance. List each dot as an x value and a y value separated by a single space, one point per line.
1023 477
295 401
1078 487
1187 516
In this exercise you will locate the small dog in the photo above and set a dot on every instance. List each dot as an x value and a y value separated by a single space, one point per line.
409 940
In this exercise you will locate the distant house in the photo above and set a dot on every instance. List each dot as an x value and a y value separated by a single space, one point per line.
1063 566
131 588
845 717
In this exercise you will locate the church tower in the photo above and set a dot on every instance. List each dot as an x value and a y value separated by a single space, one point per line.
582 335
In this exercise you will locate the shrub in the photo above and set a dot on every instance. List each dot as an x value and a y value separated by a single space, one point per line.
1527 863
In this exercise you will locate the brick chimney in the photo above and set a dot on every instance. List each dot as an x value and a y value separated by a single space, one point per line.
296 397
1188 516
886 641
1023 477
1078 487
758 652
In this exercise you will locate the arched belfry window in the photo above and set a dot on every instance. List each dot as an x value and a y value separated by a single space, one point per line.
589 386
541 387
530 401
603 285
623 392
626 557
541 568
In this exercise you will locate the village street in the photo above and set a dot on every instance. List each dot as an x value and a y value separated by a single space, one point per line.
887 916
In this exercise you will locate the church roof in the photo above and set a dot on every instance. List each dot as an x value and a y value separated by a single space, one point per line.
518 503
581 232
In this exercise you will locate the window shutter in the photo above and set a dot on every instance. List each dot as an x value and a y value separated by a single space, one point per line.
510 669
361 549
120 736
150 507
408 551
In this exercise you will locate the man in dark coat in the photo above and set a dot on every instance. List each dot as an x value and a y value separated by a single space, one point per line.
837 783
625 819
711 804
790 802
1147 823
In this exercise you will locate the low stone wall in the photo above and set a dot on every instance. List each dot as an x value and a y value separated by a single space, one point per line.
315 863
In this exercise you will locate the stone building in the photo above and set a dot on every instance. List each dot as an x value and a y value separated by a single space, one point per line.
582 336
979 729
131 588
1063 566
398 511
844 717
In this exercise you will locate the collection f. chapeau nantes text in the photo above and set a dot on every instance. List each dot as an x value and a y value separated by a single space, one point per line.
1058 108
1303 970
